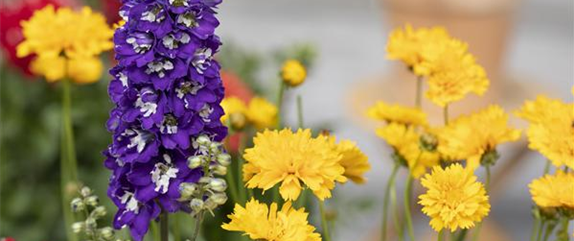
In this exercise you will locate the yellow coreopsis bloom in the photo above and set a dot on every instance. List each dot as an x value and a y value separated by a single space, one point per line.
414 47
397 114
406 143
292 159
262 113
293 73
551 131
269 224
454 199
554 191
235 112
471 137
355 162
66 43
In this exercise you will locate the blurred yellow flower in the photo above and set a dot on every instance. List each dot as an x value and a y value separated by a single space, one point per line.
554 191
262 113
551 129
412 47
293 73
292 159
235 111
471 137
269 224
355 162
406 143
66 43
454 199
397 114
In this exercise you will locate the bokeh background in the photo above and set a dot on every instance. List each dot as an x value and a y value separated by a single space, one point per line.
526 45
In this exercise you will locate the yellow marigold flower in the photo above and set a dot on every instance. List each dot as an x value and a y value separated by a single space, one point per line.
554 191
292 159
355 162
235 111
293 73
269 224
66 43
454 199
262 113
471 137
397 114
406 143
551 130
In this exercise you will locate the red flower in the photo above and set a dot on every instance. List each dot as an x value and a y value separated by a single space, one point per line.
11 14
111 10
8 239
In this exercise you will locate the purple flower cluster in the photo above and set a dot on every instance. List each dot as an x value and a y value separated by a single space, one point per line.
167 92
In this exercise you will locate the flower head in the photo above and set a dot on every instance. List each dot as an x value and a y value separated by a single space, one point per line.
292 159
405 141
454 199
166 122
235 110
551 130
270 224
64 54
293 73
554 191
355 162
262 113
471 137
397 114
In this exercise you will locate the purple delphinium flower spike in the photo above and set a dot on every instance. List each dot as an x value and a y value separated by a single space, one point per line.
167 92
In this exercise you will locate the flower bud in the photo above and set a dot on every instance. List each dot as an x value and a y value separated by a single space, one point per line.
77 227
196 205
107 233
428 142
217 184
86 191
203 140
77 205
187 190
218 198
90 223
214 148
194 162
92 201
99 212
238 121
219 170
489 158
224 159
293 73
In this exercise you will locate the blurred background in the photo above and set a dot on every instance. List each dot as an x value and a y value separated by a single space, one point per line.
527 47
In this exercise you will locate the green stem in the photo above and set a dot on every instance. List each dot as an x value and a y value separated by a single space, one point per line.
164 226
487 187
300 122
540 230
324 224
399 228
562 234
445 114
418 97
547 167
280 94
390 184
440 235
534 228
198 222
407 199
462 235
68 166
549 228
232 186
241 190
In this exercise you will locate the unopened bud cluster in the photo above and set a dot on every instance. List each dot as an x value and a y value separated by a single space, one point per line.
209 192
89 204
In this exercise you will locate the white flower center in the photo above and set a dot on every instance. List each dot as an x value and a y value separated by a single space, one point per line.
205 112
147 108
201 58
132 204
139 140
159 67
